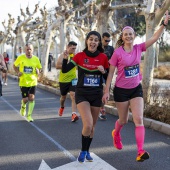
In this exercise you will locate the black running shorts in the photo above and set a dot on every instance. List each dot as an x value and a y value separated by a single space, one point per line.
122 95
66 87
94 100
25 91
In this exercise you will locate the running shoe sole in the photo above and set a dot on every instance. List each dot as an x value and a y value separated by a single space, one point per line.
142 158
89 158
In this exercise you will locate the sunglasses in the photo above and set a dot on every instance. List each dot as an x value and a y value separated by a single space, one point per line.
107 40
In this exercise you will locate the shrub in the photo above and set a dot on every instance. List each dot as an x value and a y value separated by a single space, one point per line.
162 72
164 54
159 109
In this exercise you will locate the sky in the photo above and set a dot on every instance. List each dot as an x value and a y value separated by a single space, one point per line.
13 7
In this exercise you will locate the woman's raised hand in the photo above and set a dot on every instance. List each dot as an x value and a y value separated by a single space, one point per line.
167 17
65 54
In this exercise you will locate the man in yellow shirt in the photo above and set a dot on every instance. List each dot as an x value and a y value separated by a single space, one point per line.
27 66
68 81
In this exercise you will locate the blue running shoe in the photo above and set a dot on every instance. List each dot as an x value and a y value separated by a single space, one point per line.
82 156
88 157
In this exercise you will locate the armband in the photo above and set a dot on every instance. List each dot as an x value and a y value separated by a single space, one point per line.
162 23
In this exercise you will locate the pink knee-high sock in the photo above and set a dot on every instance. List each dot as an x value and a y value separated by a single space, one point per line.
140 137
118 128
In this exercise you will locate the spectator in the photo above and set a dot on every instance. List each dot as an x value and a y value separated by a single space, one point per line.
18 53
50 59
108 50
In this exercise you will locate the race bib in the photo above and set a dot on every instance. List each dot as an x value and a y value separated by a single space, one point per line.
28 70
91 80
131 71
74 82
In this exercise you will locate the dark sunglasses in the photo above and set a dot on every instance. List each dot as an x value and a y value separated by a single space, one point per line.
107 40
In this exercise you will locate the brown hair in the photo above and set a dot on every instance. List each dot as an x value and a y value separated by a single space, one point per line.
119 41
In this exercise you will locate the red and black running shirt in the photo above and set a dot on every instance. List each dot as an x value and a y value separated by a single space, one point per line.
89 77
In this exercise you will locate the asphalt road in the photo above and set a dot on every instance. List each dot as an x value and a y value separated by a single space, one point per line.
57 140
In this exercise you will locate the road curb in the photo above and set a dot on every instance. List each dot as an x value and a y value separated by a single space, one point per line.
149 123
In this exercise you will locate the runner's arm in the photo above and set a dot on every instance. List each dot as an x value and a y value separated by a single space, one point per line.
67 67
59 62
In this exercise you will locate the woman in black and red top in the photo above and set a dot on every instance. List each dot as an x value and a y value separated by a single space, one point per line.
5 74
92 66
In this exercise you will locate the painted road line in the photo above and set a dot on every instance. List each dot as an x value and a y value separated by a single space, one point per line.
44 166
97 164
62 149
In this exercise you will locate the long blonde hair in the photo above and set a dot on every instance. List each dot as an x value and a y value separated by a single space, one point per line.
119 41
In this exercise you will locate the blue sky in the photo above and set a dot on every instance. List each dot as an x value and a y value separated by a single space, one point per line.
13 7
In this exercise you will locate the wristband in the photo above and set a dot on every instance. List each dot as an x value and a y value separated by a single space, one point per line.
162 23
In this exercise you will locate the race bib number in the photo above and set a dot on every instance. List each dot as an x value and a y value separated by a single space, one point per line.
74 82
28 70
91 80
131 71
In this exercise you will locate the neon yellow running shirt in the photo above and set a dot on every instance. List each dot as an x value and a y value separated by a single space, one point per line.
28 66
70 75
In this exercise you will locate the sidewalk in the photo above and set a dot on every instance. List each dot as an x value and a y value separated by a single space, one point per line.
52 75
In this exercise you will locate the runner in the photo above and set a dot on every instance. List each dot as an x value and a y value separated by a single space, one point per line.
92 66
128 89
68 81
27 67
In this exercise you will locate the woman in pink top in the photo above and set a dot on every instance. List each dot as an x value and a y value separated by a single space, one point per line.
128 90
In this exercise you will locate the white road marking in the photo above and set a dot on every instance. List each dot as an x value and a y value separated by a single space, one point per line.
44 166
97 164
